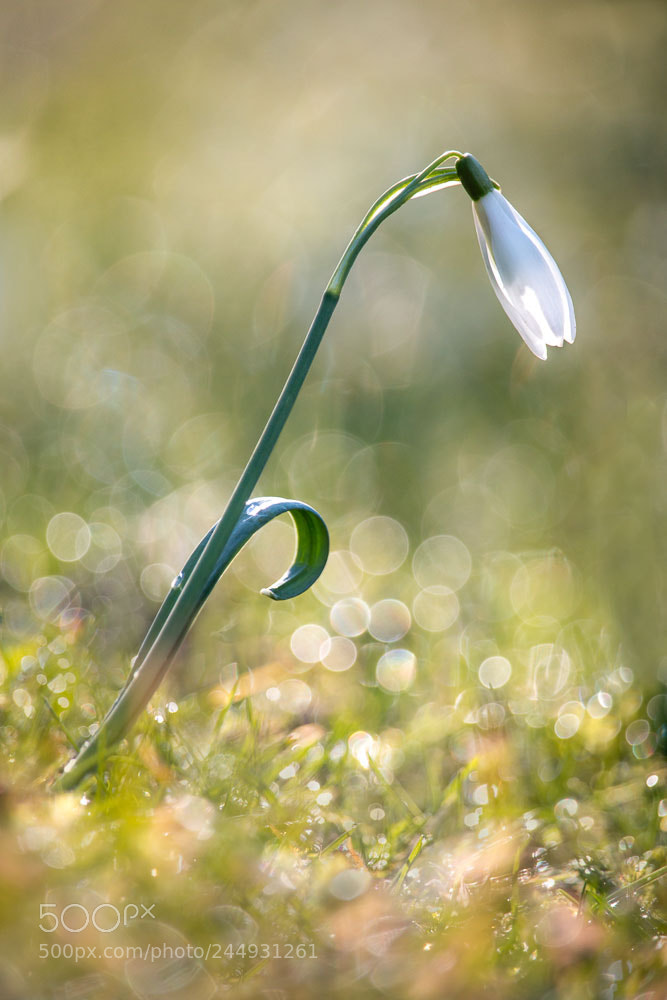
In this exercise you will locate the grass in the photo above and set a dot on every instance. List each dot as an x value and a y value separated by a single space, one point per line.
315 834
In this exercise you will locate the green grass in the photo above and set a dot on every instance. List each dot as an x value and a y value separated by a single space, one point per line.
417 844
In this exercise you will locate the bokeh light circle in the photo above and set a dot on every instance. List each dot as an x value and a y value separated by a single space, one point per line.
310 643
380 544
396 670
389 620
350 616
495 671
340 655
68 536
442 561
436 608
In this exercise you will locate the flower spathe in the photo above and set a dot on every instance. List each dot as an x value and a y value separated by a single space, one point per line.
523 274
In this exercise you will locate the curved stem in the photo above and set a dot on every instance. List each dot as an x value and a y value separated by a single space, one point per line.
387 203
168 631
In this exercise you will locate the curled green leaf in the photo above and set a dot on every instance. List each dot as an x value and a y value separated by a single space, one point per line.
312 550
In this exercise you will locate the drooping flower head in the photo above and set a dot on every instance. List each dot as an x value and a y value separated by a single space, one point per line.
523 274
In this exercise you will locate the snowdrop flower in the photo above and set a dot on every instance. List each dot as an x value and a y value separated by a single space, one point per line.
523 273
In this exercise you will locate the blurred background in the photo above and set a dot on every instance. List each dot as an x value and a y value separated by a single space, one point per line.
177 182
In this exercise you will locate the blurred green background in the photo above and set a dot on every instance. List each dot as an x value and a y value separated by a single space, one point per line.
177 182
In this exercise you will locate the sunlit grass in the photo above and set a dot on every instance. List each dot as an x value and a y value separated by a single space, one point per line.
487 823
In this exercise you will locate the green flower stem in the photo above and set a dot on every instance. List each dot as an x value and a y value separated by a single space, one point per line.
168 630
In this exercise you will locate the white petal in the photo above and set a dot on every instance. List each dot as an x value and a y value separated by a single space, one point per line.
523 275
